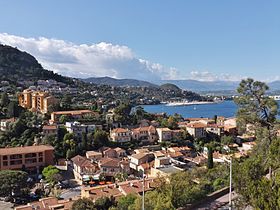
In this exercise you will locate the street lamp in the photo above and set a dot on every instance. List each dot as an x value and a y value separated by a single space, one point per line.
230 181
143 188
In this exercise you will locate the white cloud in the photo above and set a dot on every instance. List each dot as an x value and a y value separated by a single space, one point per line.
208 76
96 60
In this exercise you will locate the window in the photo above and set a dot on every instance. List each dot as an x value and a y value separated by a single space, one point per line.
40 154
15 162
40 159
30 155
5 163
5 157
15 156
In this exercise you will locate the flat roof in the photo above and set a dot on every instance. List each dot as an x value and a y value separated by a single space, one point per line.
169 170
23 150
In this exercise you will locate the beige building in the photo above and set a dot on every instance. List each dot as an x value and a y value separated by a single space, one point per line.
74 114
36 101
120 135
147 133
164 134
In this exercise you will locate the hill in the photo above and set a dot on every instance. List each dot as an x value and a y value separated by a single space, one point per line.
118 82
16 66
170 87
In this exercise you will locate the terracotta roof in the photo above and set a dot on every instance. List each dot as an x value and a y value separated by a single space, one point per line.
146 128
23 150
135 187
109 162
93 153
83 162
175 154
139 155
119 130
104 191
74 112
49 127
118 149
196 125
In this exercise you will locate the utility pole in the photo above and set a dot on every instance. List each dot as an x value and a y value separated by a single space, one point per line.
230 182
143 193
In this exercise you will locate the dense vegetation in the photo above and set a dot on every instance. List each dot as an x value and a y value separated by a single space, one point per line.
16 66
257 178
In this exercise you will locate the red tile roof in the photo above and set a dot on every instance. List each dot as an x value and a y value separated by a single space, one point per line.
23 150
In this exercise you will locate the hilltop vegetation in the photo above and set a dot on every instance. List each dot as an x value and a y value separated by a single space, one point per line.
16 66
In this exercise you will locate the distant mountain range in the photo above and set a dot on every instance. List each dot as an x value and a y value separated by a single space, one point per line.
192 85
119 82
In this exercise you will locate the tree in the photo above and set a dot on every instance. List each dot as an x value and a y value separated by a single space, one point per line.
83 204
126 201
51 173
210 163
227 140
13 182
4 101
100 138
255 107
104 203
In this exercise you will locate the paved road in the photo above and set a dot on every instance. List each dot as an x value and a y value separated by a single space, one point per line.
70 193
220 203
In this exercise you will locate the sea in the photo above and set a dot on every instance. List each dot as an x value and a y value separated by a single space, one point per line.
225 108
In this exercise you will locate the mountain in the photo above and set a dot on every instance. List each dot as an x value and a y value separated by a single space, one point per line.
16 66
274 85
195 85
170 87
118 82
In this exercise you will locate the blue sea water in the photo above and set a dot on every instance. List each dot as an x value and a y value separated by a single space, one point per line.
226 109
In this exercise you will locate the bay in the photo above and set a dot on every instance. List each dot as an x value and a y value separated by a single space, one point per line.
225 108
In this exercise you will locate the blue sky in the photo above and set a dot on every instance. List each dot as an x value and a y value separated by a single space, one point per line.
159 39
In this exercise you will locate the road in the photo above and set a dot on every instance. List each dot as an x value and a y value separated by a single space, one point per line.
70 193
220 203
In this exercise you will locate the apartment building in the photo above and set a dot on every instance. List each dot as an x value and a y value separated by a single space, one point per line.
120 135
30 158
36 101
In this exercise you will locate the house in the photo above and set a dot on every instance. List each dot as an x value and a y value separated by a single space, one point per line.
83 167
94 155
120 135
196 129
49 130
48 203
109 166
32 158
148 134
74 114
118 190
164 134
215 129
78 129
164 171
136 160
5 123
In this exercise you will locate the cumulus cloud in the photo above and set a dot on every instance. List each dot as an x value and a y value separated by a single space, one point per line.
95 60
208 76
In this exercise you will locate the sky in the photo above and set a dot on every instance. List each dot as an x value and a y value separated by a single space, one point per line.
205 40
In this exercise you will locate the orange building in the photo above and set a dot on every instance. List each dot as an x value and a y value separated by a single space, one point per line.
30 158
36 101
74 114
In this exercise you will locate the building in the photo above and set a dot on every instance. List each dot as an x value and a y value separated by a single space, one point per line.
164 134
136 160
120 135
49 130
82 168
93 155
49 203
215 129
36 101
74 114
147 133
30 158
196 129
5 123
109 166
